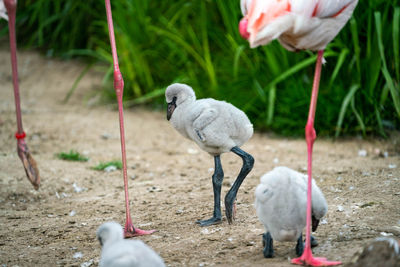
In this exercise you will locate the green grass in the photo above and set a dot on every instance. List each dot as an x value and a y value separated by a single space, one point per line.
72 155
103 165
197 42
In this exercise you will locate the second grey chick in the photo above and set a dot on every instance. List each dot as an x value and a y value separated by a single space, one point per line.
216 127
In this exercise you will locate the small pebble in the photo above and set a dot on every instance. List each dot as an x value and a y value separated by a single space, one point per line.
110 168
340 208
192 151
77 255
386 234
87 263
362 153
106 136
77 189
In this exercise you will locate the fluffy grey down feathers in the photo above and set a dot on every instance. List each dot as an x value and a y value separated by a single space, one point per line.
281 200
118 252
216 126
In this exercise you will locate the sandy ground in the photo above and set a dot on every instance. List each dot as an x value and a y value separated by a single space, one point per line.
170 181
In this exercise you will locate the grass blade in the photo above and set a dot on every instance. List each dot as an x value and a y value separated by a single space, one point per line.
393 91
343 109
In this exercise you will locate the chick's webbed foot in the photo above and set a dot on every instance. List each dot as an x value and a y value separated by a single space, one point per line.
268 245
208 222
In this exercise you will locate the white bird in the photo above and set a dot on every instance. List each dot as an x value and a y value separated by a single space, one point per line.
298 25
281 207
120 252
217 127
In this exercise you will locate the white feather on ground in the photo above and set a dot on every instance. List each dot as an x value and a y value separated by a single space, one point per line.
216 126
119 252
281 200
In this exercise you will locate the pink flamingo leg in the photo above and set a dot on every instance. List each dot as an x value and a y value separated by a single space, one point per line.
130 230
307 257
28 162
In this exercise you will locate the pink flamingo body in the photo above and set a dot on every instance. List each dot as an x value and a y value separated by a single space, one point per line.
298 25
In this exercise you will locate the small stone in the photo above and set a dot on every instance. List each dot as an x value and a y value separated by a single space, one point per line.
362 153
392 166
192 151
87 263
77 255
110 168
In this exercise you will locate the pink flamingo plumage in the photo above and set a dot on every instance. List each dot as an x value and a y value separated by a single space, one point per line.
23 151
298 25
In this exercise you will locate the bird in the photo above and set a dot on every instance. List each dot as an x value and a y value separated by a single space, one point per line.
216 127
129 230
30 165
119 252
281 204
298 25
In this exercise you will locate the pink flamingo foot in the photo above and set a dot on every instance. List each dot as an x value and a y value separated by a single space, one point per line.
131 231
308 260
31 169
314 261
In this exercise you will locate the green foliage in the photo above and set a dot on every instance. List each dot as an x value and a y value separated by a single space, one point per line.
103 165
72 155
197 42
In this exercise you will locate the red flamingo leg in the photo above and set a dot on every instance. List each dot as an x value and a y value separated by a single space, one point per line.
130 230
307 257
28 162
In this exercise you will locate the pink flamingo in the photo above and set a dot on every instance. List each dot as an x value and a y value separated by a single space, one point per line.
29 163
23 152
298 25
129 230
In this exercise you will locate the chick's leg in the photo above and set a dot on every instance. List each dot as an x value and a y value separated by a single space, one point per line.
217 179
248 162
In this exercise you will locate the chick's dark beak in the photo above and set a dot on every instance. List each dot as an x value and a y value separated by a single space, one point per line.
315 223
171 107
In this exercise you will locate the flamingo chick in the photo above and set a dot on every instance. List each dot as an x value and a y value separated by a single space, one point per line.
281 206
216 127
118 252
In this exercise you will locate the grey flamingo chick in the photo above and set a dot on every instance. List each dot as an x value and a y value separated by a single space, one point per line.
281 204
216 127
119 252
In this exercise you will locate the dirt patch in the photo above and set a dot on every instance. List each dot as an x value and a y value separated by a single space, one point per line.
56 225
